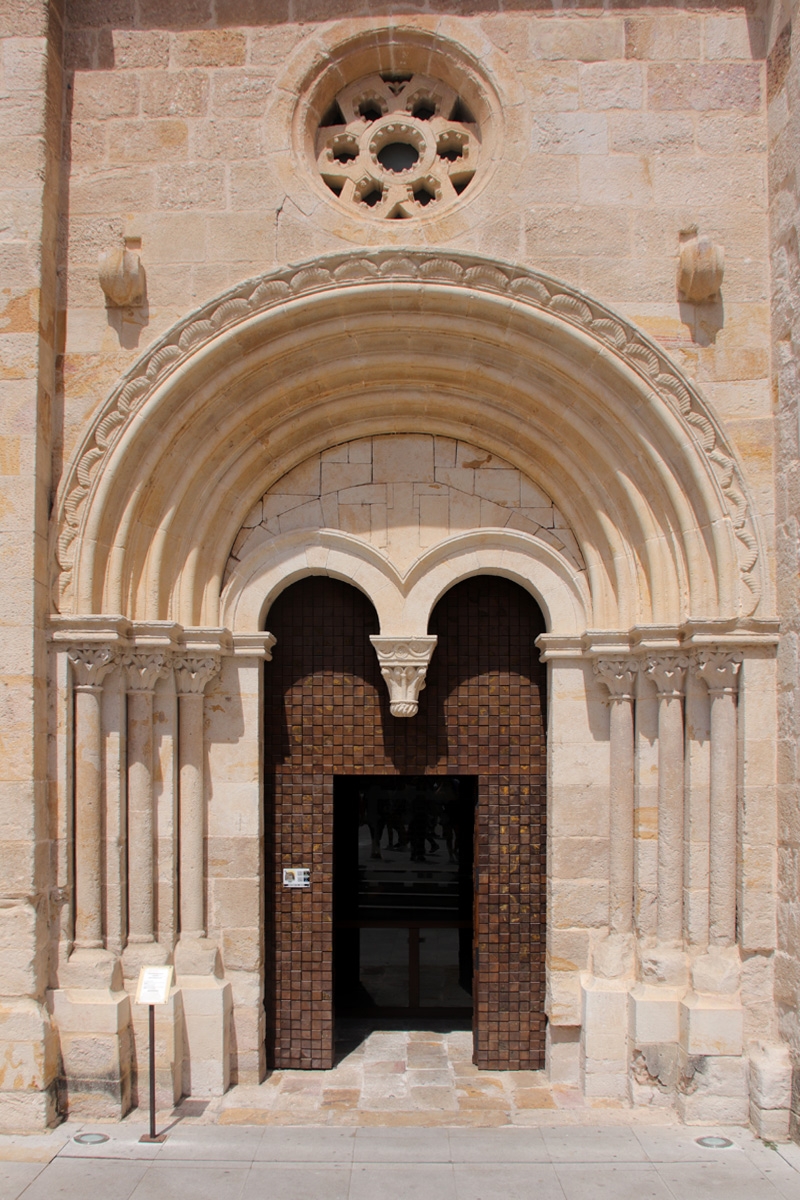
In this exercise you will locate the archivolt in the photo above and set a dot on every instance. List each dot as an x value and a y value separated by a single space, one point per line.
284 366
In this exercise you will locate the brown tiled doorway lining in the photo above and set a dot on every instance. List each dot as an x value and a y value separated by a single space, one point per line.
482 713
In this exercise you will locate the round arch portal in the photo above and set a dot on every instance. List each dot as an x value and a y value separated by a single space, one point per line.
357 345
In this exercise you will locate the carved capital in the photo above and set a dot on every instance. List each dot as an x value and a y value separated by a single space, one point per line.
143 668
668 673
619 676
91 664
404 664
193 671
719 671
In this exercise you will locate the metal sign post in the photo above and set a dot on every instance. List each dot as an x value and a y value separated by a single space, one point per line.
153 988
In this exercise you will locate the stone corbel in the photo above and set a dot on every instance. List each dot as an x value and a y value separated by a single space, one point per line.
404 664
701 267
122 275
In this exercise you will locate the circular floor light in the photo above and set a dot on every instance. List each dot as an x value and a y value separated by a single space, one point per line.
90 1139
714 1143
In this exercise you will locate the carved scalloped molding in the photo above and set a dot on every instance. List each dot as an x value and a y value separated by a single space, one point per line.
526 287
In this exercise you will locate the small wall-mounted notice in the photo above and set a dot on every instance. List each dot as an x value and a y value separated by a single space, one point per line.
154 984
296 877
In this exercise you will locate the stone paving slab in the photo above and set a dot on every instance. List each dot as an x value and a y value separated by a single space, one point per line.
593 1162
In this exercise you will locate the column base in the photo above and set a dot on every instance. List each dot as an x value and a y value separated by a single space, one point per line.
94 1029
142 954
711 1025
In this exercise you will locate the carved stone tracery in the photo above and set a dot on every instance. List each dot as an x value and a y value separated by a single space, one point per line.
398 145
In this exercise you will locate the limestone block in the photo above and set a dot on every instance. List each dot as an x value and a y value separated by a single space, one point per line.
28 1047
770 1124
175 94
770 1075
653 1014
611 85
718 972
714 1090
663 38
563 1054
563 998
95 1038
169 1042
570 133
604 1019
605 1080
711 1025
704 87
27 1112
207 1006
581 38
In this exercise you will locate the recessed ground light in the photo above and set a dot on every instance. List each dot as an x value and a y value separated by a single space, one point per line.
714 1143
90 1139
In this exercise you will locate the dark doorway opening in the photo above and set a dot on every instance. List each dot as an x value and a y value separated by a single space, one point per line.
403 895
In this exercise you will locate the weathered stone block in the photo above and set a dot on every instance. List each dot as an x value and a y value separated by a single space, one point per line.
710 1025
653 1015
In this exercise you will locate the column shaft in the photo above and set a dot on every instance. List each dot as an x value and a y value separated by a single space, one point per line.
621 815
141 833
88 818
722 821
670 818
192 824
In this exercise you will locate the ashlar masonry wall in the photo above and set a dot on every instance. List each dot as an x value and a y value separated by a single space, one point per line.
783 79
615 131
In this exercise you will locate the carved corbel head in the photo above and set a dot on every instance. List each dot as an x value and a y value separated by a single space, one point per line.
404 663
122 275
701 267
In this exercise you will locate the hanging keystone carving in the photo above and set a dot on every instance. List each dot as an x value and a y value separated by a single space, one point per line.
122 275
404 664
700 268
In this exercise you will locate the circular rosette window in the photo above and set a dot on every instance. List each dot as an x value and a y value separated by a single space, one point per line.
398 146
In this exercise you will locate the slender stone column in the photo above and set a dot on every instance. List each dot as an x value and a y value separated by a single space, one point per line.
192 673
668 672
143 669
90 665
720 673
619 676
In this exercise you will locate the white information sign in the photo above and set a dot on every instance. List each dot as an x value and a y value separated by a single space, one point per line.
296 877
154 984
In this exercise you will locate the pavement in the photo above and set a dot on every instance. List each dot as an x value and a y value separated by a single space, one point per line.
555 1161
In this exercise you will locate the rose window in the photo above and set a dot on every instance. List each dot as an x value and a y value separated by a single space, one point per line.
397 146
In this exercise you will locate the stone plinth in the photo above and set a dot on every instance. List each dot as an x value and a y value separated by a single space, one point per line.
207 1008
94 1026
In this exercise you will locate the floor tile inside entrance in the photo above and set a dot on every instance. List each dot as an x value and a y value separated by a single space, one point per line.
397 1076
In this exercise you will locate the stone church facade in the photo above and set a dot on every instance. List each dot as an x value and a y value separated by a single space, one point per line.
448 350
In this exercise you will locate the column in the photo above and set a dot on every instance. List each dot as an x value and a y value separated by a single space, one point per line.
720 673
142 670
619 676
668 672
90 665
192 673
